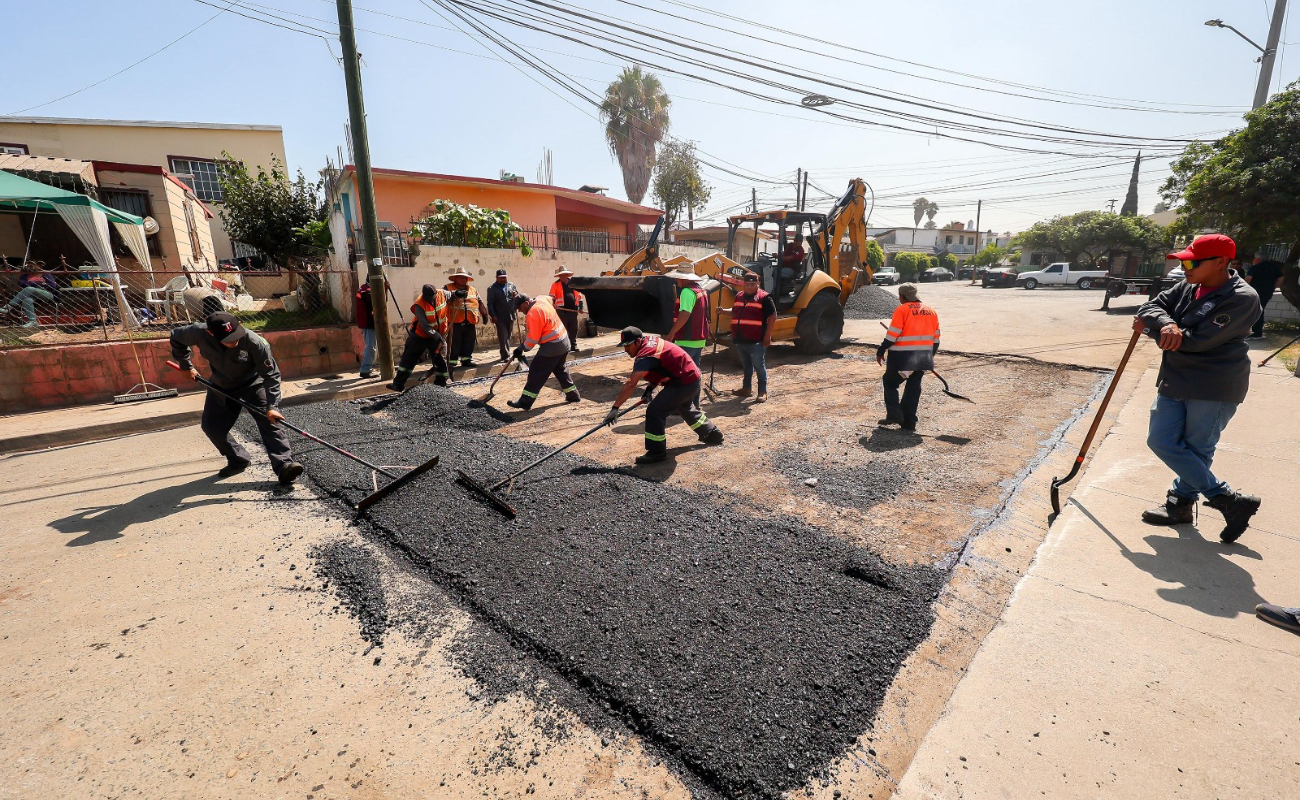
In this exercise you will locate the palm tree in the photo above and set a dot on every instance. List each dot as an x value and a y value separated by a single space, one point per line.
919 206
635 113
930 211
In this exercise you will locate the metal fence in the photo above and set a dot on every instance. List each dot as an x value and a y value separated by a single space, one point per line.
63 307
566 239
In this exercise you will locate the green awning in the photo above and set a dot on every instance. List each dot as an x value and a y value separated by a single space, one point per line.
20 194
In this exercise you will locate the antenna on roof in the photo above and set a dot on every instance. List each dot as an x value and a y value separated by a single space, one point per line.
545 175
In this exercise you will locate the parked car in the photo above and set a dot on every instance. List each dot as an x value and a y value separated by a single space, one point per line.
998 277
1175 275
886 276
936 274
1060 274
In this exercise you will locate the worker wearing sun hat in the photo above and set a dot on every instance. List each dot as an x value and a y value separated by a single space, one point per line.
568 302
1201 324
690 330
467 310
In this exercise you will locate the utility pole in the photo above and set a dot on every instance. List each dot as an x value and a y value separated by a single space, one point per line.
803 199
979 209
798 179
1111 204
365 189
753 201
1270 52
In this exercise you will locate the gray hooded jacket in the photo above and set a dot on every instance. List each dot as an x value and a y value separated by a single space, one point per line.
1213 362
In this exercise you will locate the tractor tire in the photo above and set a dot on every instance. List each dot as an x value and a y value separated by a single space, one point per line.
1084 283
1030 283
820 325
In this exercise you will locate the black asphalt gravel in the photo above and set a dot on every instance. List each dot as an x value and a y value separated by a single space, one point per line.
753 649
872 302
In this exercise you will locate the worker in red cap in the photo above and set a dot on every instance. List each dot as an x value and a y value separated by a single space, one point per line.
1201 324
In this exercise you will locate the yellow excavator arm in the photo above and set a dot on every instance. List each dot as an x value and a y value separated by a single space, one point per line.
848 218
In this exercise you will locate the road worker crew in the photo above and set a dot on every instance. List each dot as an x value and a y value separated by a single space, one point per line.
427 333
544 330
910 342
753 316
664 364
467 310
242 366
568 302
690 329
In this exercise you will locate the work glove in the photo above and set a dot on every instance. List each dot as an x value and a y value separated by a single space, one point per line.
518 353
610 417
649 394
462 293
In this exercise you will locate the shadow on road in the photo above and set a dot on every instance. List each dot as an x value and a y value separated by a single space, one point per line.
1207 578
883 440
105 523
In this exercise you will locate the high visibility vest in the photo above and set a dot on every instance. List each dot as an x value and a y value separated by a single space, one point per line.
463 309
747 316
675 365
435 314
697 325
913 328
542 324
565 297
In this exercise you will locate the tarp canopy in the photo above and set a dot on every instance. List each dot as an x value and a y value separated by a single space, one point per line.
20 193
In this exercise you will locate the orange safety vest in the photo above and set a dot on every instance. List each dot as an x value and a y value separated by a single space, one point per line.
559 290
435 314
464 309
542 324
913 328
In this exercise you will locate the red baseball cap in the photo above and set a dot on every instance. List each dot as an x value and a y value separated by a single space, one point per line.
1211 245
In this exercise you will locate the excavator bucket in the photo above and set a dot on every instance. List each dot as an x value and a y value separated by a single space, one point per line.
617 301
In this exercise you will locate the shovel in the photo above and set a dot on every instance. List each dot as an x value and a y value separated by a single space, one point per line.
490 492
367 501
492 389
951 394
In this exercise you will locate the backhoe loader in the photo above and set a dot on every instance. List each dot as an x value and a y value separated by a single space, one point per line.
809 294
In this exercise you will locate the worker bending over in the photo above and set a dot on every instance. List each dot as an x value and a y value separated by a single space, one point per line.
427 333
543 329
910 344
664 364
466 310
243 367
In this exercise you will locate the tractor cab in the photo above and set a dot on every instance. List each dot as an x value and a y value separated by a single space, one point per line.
782 274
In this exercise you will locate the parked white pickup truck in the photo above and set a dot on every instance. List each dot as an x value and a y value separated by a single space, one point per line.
1060 274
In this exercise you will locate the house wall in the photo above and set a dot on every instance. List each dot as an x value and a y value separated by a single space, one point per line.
172 235
12 242
399 198
148 143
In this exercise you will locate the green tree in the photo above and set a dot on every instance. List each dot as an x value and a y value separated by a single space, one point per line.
678 185
469 226
281 217
909 264
1247 184
635 113
1088 236
920 208
948 261
875 255
990 255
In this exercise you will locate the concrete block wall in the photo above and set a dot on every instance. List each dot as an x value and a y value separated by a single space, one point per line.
54 377
1279 310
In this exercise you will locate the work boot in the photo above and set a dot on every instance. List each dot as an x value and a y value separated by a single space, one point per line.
883 421
290 473
651 458
762 397
572 397
521 404
743 391
233 467
1177 510
712 437
441 380
1286 618
1237 509
396 387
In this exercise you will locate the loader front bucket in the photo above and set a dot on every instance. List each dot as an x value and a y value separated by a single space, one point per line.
617 301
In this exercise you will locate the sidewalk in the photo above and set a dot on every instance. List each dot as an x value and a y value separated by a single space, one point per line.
1128 662
65 426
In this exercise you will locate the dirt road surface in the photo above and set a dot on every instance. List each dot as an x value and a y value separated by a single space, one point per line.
168 634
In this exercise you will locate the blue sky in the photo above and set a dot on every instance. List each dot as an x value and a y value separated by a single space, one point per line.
439 101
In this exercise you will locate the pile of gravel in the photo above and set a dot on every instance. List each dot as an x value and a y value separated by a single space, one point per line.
755 650
871 302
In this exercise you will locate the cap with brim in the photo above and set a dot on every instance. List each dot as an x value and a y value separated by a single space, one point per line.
1213 245
907 290
562 270
629 335
225 328
683 276
501 273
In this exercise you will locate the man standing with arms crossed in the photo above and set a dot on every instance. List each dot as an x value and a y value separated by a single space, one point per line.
753 315
1201 325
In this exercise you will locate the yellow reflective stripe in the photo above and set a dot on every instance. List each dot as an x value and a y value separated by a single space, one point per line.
568 389
656 437
530 394
702 420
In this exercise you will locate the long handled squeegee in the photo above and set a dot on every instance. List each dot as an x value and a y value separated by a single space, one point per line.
367 501
1096 422
490 492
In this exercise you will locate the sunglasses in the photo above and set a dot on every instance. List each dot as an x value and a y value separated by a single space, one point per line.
1194 263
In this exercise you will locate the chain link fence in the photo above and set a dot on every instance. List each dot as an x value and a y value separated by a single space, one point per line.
60 307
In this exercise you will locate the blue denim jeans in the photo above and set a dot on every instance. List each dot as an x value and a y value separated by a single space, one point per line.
26 298
753 358
371 348
695 353
1183 434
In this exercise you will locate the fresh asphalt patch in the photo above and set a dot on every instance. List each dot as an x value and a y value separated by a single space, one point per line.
752 648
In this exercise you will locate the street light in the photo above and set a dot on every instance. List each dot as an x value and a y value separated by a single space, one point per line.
1218 23
1266 53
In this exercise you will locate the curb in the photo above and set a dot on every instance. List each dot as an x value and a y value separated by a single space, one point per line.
179 419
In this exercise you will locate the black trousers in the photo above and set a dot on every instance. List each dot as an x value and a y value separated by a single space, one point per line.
463 338
906 410
505 327
413 353
682 401
543 367
220 414
570 320
1258 328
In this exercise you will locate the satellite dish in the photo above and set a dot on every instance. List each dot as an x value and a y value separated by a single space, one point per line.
150 226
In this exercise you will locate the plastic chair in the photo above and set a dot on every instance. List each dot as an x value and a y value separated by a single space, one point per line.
170 296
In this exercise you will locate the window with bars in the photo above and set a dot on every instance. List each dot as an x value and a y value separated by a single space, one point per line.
13 149
201 176
132 202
